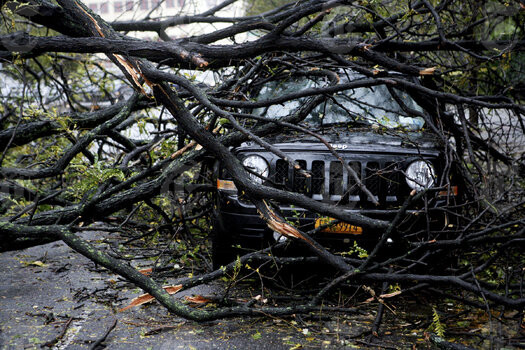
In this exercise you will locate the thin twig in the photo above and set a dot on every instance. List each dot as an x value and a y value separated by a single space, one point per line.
103 338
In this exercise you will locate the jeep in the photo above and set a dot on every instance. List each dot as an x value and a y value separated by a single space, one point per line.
378 131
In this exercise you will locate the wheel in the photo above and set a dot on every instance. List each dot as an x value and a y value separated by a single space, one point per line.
222 250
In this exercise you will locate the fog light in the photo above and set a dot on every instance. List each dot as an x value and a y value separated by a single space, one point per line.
279 237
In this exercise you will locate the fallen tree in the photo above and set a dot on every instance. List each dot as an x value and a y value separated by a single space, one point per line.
67 163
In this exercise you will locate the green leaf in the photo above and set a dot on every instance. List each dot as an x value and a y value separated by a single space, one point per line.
34 340
436 325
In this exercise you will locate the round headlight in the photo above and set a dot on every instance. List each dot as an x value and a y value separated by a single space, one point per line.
258 165
420 175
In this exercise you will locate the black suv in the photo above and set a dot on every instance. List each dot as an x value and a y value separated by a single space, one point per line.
370 129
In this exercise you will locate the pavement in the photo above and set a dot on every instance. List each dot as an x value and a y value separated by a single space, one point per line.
51 297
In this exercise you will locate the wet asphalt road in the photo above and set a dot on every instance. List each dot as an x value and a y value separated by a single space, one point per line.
52 295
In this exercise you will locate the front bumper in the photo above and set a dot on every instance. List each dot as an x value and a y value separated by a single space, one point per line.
248 228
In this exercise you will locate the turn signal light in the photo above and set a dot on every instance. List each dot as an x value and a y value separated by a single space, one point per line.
453 191
226 185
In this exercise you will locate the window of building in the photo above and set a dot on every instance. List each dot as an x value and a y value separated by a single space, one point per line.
93 7
104 7
170 3
144 4
154 3
118 6
129 5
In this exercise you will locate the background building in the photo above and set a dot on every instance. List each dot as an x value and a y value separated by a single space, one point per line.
125 10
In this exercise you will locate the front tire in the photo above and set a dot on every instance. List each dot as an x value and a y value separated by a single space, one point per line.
222 250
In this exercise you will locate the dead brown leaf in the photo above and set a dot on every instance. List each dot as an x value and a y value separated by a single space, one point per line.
146 298
197 299
146 272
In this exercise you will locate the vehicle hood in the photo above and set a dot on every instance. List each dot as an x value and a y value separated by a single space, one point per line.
366 140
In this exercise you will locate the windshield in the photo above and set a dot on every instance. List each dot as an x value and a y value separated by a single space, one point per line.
368 105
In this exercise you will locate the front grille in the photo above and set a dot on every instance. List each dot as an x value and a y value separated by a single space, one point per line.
281 172
336 180
317 173
300 178
353 186
330 181
373 178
